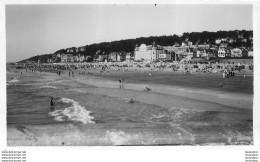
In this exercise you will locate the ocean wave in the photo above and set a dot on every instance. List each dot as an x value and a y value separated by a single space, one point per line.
14 80
75 112
46 86
77 90
43 84
55 82
118 137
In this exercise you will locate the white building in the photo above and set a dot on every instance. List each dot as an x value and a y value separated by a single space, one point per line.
221 52
218 41
81 58
236 52
147 53
250 54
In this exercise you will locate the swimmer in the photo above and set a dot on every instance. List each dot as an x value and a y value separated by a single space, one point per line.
221 84
148 89
131 101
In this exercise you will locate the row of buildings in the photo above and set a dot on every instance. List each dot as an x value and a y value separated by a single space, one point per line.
68 57
158 53
174 53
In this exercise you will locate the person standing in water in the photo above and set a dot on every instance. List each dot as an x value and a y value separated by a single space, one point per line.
52 103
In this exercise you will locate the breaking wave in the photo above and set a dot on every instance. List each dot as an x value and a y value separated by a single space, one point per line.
77 90
14 80
46 86
75 112
118 137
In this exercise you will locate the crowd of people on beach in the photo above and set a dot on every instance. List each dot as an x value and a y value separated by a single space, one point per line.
209 67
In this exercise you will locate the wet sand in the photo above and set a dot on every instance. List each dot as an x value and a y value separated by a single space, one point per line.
185 116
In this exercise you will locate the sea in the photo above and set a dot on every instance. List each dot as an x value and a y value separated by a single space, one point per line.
109 112
29 95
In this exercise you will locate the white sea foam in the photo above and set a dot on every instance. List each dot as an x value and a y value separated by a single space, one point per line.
54 82
118 137
74 112
77 90
14 80
46 86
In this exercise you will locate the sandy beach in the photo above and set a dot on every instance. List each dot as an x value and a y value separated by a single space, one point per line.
196 111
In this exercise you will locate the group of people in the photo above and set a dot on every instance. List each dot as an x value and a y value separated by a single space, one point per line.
227 74
121 83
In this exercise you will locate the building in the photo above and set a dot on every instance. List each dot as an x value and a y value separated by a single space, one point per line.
88 58
119 57
221 52
122 56
244 53
223 45
223 39
128 56
218 41
165 57
112 56
176 52
211 55
70 58
56 57
236 52
250 53
82 49
71 50
200 53
81 58
63 58
148 53
228 53
231 40
102 57
75 58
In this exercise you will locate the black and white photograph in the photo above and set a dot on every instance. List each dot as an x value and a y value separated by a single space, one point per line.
113 74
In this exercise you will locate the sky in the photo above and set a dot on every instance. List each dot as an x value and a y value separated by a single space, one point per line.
43 29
